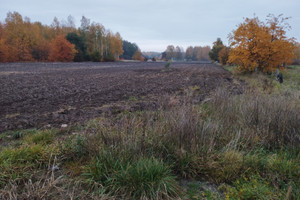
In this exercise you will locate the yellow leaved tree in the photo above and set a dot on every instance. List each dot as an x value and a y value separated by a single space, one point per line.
263 46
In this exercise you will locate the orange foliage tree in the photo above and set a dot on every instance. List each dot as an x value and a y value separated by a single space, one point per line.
18 37
223 55
138 55
297 53
3 46
62 50
116 46
256 45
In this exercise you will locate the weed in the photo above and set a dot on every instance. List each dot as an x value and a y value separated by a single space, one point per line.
167 66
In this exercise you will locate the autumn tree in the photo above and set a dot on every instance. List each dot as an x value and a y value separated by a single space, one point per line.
41 41
217 47
189 53
56 27
3 45
116 46
19 39
170 52
197 53
62 50
95 39
138 55
179 53
297 54
68 26
205 53
223 55
41 51
108 56
264 46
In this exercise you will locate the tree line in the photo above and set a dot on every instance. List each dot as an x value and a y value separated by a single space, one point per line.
196 53
23 40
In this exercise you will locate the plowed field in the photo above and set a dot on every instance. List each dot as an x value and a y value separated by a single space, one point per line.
51 94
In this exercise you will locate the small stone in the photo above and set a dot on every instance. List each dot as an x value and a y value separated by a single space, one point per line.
64 125
54 168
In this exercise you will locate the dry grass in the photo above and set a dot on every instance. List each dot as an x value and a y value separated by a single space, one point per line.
271 120
49 186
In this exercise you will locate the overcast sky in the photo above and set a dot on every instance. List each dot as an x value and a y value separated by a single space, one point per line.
154 24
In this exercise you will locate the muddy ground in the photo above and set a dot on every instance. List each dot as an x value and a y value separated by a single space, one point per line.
52 94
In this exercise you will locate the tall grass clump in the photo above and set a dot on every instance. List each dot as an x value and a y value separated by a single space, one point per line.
142 178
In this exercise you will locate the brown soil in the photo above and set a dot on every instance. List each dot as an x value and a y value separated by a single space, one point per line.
40 94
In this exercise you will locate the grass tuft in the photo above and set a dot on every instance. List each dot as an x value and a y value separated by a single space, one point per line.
144 178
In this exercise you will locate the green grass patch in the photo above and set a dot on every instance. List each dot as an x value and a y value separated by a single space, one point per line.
140 178
43 137
19 163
